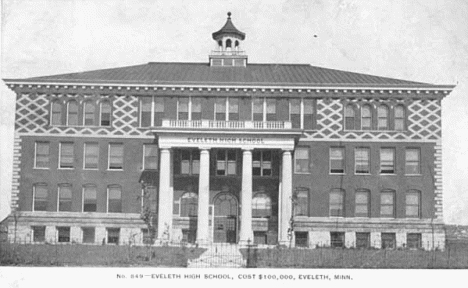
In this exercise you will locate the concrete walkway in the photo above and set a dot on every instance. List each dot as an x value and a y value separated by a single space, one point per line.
219 256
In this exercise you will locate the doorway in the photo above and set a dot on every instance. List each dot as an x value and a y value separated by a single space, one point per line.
225 218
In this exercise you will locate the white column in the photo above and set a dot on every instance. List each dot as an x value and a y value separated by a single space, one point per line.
203 197
286 193
246 233
165 197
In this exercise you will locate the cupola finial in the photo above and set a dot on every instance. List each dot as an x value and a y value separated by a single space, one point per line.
229 15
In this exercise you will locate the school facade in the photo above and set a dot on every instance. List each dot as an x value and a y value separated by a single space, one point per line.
228 151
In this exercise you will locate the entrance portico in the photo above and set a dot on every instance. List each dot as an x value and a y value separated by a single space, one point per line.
206 224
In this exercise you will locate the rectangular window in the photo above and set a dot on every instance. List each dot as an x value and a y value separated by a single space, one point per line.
183 108
413 240
89 199
388 240
63 234
113 235
65 197
189 162
91 156
257 109
301 239
412 161
337 239
387 204
145 111
158 111
362 240
362 161
261 163
271 110
337 161
308 114
337 203
67 156
295 113
387 161
116 154
233 109
413 204
38 233
220 109
40 197
362 204
301 159
42 155
150 158
196 108
88 234
114 200
226 162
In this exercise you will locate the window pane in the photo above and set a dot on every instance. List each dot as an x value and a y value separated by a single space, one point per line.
89 199
336 160
56 113
89 113
72 113
91 155
151 156
366 117
40 197
65 198
362 160
412 161
105 114
302 160
116 156
146 103
182 108
233 105
220 107
67 156
115 199
387 162
258 109
42 155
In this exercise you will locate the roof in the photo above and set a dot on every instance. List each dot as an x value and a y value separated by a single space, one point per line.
204 74
229 28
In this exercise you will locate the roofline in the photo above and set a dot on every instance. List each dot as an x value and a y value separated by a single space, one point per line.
234 85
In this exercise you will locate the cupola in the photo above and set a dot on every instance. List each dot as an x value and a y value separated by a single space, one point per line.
228 51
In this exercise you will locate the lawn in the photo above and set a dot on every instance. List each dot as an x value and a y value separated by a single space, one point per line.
90 255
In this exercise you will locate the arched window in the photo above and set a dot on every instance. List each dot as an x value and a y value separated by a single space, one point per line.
114 199
399 118
89 198
236 44
337 203
350 118
105 116
261 206
56 115
228 43
189 204
72 113
41 193
220 44
366 117
301 202
88 114
382 115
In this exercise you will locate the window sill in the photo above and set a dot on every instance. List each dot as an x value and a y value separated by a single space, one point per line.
388 174
374 130
65 168
41 168
413 175
302 173
337 173
362 174
117 170
90 169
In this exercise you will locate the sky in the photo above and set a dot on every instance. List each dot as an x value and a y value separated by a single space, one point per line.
421 40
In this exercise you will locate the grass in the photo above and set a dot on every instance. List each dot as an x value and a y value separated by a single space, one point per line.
454 257
90 255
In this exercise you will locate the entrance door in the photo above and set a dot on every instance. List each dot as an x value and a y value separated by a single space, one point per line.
225 219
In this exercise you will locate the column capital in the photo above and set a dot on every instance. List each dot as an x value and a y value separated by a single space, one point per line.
285 151
165 149
204 149
247 150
